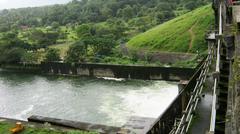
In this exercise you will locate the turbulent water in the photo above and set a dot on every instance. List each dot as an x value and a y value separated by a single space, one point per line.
100 101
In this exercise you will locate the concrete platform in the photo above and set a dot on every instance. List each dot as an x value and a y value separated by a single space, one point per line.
139 125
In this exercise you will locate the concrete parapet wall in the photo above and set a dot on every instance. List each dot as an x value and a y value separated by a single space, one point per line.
167 57
31 68
233 113
106 70
118 71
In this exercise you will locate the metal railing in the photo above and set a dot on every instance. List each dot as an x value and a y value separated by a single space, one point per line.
182 126
187 117
214 101
165 122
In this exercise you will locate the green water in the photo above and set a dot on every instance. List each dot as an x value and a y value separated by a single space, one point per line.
108 102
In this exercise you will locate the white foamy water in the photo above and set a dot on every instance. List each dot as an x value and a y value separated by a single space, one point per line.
116 79
99 101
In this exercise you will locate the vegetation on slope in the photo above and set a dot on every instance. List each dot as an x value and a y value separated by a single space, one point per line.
185 33
94 11
89 30
5 129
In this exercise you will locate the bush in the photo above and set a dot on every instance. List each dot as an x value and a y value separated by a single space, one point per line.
52 54
12 55
30 57
76 53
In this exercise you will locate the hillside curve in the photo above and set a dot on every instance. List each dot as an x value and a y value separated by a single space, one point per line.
184 34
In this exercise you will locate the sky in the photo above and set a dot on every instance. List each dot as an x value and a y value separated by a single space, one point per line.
8 4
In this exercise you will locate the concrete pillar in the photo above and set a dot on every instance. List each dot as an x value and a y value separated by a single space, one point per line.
211 39
184 101
182 84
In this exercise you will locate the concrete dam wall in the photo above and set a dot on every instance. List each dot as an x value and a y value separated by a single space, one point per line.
119 71
106 70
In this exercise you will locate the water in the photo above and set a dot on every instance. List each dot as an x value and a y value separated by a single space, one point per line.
99 101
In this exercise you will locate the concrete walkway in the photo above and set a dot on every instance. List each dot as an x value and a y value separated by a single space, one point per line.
201 124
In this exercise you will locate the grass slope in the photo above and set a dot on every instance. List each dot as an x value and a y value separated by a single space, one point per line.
185 33
5 129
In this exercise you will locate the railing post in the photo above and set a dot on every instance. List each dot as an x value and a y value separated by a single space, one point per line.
183 101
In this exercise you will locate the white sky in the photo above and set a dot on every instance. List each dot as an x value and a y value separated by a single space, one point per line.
7 4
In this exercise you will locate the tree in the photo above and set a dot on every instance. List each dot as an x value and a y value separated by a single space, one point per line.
83 31
40 39
11 48
55 25
51 38
52 55
99 45
30 57
90 11
191 5
134 55
4 28
126 13
103 46
106 12
37 38
12 55
76 53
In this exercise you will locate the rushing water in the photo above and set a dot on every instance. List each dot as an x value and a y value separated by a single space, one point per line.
98 101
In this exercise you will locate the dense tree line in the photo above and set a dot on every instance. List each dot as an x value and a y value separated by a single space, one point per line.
85 11
94 28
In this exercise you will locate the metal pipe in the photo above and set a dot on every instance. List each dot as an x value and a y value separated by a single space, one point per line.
214 100
213 114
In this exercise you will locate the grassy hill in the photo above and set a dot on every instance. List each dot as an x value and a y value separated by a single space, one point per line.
185 33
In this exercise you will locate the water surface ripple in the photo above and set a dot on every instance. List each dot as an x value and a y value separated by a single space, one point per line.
90 100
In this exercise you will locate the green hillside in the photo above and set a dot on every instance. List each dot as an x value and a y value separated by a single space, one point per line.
183 34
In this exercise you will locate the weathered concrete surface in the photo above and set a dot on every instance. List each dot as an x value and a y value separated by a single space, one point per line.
233 109
165 57
182 84
237 111
233 113
236 14
106 70
139 125
76 125
202 121
156 56
118 71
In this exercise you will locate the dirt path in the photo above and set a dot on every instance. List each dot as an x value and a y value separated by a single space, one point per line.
192 35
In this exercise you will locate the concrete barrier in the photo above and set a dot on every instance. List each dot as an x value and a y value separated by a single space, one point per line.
105 70
118 71
76 125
